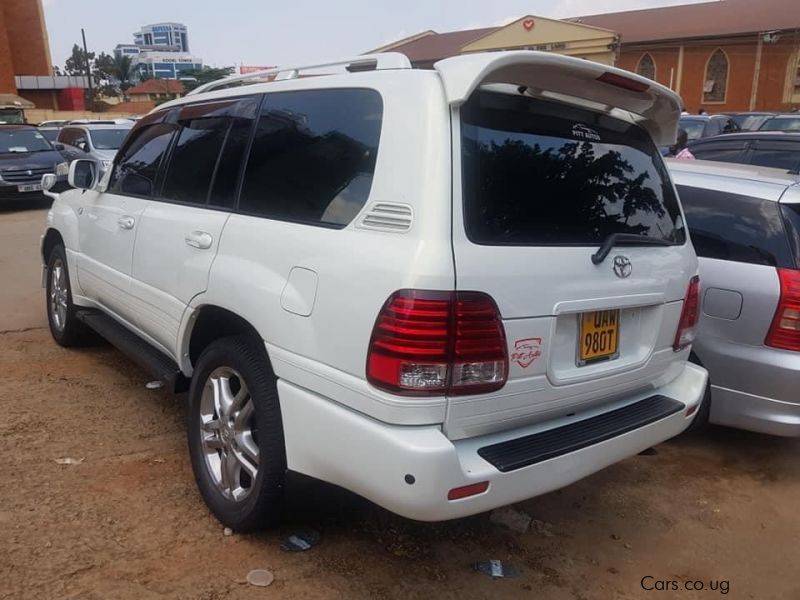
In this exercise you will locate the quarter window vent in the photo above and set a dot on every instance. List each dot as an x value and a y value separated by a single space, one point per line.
388 216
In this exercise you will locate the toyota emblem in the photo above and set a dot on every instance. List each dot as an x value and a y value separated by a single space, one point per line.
622 266
30 172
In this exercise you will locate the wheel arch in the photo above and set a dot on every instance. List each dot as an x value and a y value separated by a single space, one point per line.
207 323
52 238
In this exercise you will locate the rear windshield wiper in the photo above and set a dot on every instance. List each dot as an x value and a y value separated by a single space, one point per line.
615 239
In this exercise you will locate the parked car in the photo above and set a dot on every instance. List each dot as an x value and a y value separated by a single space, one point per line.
790 122
762 148
702 126
97 142
750 121
55 123
745 225
364 277
25 155
51 133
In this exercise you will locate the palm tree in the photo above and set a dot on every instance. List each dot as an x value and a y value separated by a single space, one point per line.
123 71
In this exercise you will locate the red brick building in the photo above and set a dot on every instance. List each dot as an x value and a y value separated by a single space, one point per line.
729 55
25 66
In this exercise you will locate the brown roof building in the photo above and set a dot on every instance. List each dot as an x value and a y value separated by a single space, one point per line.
727 55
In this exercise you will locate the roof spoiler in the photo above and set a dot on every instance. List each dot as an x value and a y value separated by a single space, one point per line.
567 79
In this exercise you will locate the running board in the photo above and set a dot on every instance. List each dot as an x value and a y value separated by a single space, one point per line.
536 448
139 351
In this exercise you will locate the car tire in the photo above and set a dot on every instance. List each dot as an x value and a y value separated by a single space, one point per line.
64 326
235 434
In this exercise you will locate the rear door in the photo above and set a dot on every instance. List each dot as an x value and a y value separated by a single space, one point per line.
775 153
540 187
180 229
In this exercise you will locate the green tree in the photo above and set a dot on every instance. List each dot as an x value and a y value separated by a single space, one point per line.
123 71
76 63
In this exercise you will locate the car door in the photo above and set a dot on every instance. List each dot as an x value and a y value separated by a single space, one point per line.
109 216
179 232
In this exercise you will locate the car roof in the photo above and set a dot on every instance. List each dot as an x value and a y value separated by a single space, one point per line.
763 182
787 116
16 126
94 126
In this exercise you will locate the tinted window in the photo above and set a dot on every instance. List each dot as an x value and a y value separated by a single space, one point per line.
67 136
736 228
193 160
313 156
779 155
50 134
537 173
108 139
791 216
136 167
726 151
223 191
16 141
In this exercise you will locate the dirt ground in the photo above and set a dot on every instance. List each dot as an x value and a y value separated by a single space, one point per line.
128 523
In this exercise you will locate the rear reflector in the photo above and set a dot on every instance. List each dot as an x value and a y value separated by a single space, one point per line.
623 82
785 330
468 490
691 410
434 343
690 315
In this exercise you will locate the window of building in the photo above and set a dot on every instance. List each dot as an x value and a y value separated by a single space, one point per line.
313 156
647 67
736 228
715 86
134 172
793 79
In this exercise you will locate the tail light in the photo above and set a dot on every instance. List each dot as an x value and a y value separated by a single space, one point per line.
785 330
690 315
433 343
626 83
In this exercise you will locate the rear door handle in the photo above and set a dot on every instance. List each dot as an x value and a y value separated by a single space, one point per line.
126 222
199 239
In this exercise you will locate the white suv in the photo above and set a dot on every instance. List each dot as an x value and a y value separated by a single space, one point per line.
446 290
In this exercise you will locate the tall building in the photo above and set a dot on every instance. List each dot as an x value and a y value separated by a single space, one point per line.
26 79
164 35
161 51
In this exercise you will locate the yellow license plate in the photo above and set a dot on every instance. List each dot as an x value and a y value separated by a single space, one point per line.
599 336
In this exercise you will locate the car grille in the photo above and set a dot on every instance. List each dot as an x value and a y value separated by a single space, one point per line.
25 175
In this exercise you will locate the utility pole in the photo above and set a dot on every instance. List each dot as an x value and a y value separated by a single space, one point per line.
88 70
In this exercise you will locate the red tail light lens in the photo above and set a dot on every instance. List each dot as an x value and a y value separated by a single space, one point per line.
623 82
785 330
690 315
427 342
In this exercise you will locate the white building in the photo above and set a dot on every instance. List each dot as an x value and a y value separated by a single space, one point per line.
161 51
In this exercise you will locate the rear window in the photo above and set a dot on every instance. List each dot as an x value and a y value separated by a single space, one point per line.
791 216
108 139
694 128
540 173
735 227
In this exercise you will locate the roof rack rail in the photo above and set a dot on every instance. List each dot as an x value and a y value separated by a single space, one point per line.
366 62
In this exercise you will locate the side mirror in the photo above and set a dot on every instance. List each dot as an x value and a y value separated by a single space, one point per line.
48 181
58 146
82 174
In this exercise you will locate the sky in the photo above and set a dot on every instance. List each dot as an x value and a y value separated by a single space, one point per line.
267 33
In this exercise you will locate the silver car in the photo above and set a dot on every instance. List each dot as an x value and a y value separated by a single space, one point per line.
98 142
744 222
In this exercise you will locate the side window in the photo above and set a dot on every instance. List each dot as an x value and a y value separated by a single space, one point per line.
724 152
67 136
776 154
135 169
313 156
223 191
735 227
80 141
194 160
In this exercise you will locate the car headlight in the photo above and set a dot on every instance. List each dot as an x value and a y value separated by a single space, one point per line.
62 169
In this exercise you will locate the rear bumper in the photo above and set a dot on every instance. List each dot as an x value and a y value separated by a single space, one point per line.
377 460
753 387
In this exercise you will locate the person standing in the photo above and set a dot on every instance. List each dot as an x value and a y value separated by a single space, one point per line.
680 150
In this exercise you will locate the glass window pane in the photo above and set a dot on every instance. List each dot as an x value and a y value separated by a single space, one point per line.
230 162
135 171
538 173
313 156
194 159
735 227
